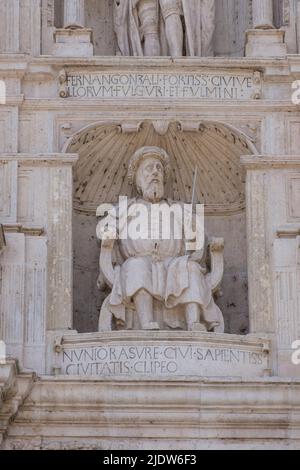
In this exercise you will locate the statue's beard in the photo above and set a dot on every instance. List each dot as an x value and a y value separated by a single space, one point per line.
154 192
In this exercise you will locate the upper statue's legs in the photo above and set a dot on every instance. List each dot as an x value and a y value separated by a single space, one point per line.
171 11
143 303
149 18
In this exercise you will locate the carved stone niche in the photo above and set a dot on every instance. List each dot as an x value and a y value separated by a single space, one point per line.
101 176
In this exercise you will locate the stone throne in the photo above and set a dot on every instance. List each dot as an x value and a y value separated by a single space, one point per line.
214 266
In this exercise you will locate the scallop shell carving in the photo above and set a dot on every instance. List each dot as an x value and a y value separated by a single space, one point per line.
100 174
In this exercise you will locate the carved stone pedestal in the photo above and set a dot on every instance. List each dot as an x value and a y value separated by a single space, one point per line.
169 354
73 42
265 43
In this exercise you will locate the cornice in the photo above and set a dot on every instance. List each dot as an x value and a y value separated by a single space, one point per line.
253 162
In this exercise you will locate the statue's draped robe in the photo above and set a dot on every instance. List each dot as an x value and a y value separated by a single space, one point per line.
199 18
160 267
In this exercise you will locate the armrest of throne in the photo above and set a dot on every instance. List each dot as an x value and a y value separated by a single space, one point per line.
216 252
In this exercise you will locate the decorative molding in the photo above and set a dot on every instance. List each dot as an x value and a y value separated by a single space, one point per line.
39 159
18 228
270 161
256 410
288 231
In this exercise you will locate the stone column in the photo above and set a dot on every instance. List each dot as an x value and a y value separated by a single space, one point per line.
298 25
74 39
9 26
262 14
264 40
74 14
273 233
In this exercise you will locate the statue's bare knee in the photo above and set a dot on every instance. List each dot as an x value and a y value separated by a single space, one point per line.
143 302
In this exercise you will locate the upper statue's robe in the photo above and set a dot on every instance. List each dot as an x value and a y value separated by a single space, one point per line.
199 18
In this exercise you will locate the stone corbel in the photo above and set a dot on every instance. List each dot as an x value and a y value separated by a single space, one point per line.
189 126
132 127
161 127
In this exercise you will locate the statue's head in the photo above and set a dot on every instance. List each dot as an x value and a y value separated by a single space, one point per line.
149 169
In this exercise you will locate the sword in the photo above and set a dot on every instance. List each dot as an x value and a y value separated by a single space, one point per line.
193 195
194 187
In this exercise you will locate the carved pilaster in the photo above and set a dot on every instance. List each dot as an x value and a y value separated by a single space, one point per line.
8 191
9 26
60 251
259 274
12 295
35 302
60 255
273 223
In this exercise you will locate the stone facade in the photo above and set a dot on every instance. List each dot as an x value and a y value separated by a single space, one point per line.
73 111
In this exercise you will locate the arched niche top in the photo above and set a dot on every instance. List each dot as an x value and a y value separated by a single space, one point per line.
104 149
